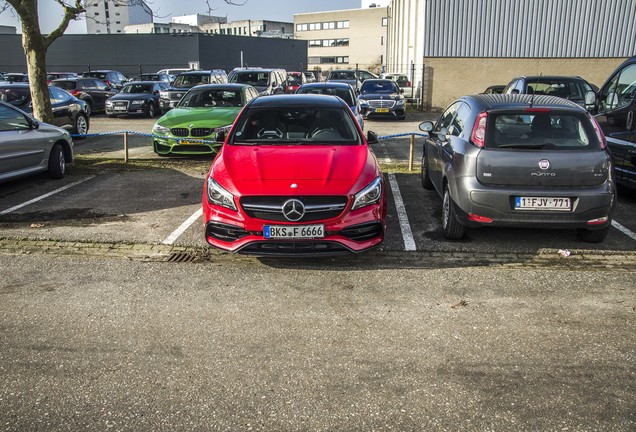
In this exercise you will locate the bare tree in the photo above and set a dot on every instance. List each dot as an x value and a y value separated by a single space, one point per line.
36 44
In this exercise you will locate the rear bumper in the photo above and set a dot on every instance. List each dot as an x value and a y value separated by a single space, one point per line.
498 203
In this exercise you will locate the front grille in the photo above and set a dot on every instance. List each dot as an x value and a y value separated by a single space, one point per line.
180 132
295 249
363 232
121 104
382 103
316 207
223 232
176 96
199 132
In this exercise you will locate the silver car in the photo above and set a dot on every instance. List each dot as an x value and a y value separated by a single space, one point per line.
519 160
28 146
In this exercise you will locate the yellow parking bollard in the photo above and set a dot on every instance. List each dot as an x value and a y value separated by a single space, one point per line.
126 147
411 152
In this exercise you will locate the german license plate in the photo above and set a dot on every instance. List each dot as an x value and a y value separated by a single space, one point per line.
188 142
542 203
382 110
119 108
293 232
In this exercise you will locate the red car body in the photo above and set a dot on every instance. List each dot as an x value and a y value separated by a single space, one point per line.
294 80
263 178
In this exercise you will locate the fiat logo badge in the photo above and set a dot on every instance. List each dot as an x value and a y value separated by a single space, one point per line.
293 210
544 164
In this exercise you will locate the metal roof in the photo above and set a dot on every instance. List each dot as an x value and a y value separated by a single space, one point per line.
530 28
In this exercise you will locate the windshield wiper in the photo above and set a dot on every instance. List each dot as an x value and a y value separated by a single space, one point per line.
523 146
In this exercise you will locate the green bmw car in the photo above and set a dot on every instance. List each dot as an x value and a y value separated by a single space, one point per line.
190 127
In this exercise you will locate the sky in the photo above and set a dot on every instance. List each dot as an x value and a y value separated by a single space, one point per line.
273 10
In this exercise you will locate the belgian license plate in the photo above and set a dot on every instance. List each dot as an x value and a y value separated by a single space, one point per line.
542 203
293 232
382 110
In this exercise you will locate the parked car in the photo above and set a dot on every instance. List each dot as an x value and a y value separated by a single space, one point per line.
171 96
573 88
294 80
175 71
295 177
347 76
519 160
68 111
155 77
198 117
112 78
50 76
16 77
616 108
137 97
494 89
28 146
382 98
403 82
266 81
310 76
93 91
342 90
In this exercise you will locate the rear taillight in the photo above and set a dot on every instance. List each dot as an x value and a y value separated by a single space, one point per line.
479 130
108 83
599 133
408 84
75 92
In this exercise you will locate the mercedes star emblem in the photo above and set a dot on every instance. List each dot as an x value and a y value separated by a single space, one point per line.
293 210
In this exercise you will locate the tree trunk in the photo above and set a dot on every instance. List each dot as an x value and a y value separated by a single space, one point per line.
36 63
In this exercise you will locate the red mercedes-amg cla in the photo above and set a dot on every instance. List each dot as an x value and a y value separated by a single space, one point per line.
295 176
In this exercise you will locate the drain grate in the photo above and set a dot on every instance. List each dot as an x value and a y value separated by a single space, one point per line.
182 257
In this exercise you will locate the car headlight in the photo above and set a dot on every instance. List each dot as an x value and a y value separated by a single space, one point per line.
219 196
157 128
371 194
224 129
164 95
137 102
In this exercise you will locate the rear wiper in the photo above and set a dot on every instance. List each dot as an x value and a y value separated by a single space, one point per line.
523 146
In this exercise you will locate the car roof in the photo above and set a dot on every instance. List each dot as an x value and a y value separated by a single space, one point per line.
486 102
225 86
549 77
329 84
16 84
297 100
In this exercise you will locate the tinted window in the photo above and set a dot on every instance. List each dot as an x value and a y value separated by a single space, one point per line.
137 88
552 131
15 96
384 86
58 96
343 93
251 78
621 90
447 116
211 98
11 120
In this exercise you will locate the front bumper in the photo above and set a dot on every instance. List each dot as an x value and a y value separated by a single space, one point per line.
173 146
396 113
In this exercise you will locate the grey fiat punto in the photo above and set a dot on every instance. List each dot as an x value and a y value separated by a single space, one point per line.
522 161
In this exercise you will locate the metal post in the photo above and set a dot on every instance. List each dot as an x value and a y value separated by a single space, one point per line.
126 147
411 152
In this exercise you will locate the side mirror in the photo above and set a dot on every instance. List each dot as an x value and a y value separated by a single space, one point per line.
426 126
34 123
372 137
590 100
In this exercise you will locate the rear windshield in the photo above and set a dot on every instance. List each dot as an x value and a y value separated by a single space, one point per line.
260 79
66 85
566 89
343 93
553 131
15 96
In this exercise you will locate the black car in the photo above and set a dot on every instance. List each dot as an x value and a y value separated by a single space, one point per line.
112 78
382 98
616 109
137 97
16 77
171 96
68 111
573 88
93 91
155 77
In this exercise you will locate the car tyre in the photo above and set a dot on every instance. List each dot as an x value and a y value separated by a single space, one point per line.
150 111
426 176
88 109
81 126
593 236
57 162
450 225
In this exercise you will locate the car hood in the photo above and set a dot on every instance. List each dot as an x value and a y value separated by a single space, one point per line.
386 96
271 170
209 117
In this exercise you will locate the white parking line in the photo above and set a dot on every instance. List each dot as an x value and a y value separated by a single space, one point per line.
407 235
624 230
184 226
41 197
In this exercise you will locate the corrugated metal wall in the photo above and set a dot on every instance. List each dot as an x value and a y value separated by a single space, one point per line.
530 28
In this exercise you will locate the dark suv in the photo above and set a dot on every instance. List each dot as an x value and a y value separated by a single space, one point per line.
573 88
616 108
91 90
521 161
170 97
112 78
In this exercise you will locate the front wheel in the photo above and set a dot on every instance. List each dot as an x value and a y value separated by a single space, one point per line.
426 176
593 236
450 225
150 111
57 162
81 125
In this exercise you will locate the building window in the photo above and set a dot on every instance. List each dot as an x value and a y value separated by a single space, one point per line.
328 42
116 13
385 21
315 26
96 13
329 25
313 60
382 40
327 59
302 27
342 24
344 59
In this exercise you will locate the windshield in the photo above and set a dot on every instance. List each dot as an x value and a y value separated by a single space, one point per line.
554 131
294 79
296 126
343 93
15 96
385 86
563 88
211 98
137 88
260 79
191 80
